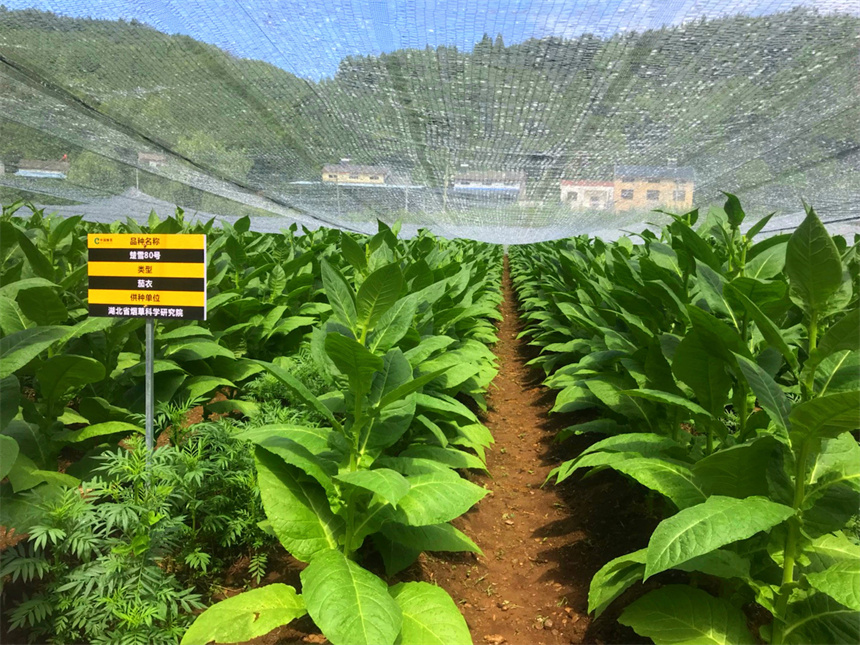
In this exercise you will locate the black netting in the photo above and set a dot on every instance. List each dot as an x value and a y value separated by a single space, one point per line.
505 121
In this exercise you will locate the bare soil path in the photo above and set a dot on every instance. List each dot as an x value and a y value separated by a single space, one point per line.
541 545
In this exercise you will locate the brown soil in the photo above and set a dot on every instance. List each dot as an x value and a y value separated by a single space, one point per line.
541 545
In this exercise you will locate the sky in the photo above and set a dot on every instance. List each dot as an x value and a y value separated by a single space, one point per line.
310 37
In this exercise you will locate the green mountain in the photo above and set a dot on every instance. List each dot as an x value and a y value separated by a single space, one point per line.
763 106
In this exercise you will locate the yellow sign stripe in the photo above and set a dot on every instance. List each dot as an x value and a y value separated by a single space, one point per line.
139 298
149 242
149 270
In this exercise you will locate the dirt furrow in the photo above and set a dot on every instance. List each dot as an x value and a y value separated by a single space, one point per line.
541 545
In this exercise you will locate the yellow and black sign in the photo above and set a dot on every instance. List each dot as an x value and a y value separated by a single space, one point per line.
147 276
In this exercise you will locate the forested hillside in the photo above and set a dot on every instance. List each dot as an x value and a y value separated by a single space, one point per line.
753 104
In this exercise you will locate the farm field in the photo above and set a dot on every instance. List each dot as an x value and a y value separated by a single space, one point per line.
374 439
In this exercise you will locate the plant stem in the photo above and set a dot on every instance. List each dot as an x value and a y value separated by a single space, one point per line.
809 383
790 553
813 331
710 447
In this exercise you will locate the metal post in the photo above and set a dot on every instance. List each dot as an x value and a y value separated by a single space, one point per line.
150 394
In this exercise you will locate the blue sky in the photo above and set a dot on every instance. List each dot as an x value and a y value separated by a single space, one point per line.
310 37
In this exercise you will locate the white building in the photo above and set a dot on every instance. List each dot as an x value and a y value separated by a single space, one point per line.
490 181
582 194
39 169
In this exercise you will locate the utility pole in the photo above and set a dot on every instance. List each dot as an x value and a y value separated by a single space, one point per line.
445 184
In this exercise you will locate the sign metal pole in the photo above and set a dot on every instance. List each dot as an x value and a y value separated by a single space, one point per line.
150 393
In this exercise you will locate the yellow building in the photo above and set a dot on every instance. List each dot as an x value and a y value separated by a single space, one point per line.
648 187
347 173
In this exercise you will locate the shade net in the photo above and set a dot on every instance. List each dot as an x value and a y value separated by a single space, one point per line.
509 122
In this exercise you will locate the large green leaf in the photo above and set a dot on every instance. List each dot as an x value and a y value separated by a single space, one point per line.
387 426
395 372
435 537
393 324
840 581
388 484
734 210
12 319
767 327
438 497
62 229
98 430
837 459
718 338
698 248
704 373
24 475
770 395
18 349
843 335
67 374
812 264
448 456
8 454
668 399
316 440
671 479
825 417
43 306
203 385
297 508
195 350
644 443
768 263
349 604
12 289
682 615
430 616
353 359
721 563
353 252
377 294
40 264
700 529
613 579
739 471
340 295
277 281
839 372
296 454
245 616
22 512
10 395
402 391
831 548
819 619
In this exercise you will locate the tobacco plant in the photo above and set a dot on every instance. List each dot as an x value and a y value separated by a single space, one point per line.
374 472
736 401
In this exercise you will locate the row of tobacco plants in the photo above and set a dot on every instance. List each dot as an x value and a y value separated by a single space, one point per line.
724 374
345 372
